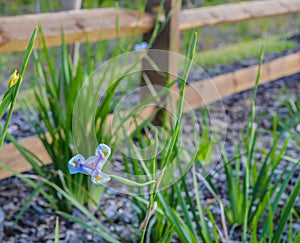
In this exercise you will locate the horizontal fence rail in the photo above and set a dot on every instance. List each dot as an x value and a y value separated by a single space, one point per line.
78 26
109 23
236 12
14 159
202 92
197 95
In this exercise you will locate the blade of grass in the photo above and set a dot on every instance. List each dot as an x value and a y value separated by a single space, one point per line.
185 211
205 233
27 203
6 101
233 188
81 222
190 57
297 237
187 230
214 226
56 231
279 193
192 207
285 213
170 214
251 134
28 156
17 86
167 235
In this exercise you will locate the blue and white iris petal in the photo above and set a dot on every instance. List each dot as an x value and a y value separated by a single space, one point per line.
93 165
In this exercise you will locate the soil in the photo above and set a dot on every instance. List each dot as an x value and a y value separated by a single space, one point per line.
38 222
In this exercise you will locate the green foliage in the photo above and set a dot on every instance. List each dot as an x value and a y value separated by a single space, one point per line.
178 211
266 188
55 95
293 105
254 196
96 228
169 211
56 231
249 208
55 90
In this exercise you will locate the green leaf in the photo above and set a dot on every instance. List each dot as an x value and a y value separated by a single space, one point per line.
27 203
28 156
297 237
5 102
130 182
205 233
285 213
170 214
82 223
56 231
15 89
251 134
185 228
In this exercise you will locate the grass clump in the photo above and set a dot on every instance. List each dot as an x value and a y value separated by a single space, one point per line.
253 189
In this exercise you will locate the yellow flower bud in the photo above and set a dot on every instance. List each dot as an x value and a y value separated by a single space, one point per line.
14 78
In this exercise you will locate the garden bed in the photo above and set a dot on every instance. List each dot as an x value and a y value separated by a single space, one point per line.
38 222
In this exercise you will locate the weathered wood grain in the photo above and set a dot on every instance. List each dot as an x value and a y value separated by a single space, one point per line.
169 40
13 158
78 26
100 24
236 12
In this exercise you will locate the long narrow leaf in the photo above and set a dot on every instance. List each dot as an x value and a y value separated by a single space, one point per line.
285 213
17 87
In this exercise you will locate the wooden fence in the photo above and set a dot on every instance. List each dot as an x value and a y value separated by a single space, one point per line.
100 24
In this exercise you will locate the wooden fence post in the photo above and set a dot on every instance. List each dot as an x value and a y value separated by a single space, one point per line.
73 48
167 39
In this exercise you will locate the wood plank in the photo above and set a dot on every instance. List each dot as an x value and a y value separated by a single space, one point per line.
204 92
100 24
13 158
78 26
236 12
